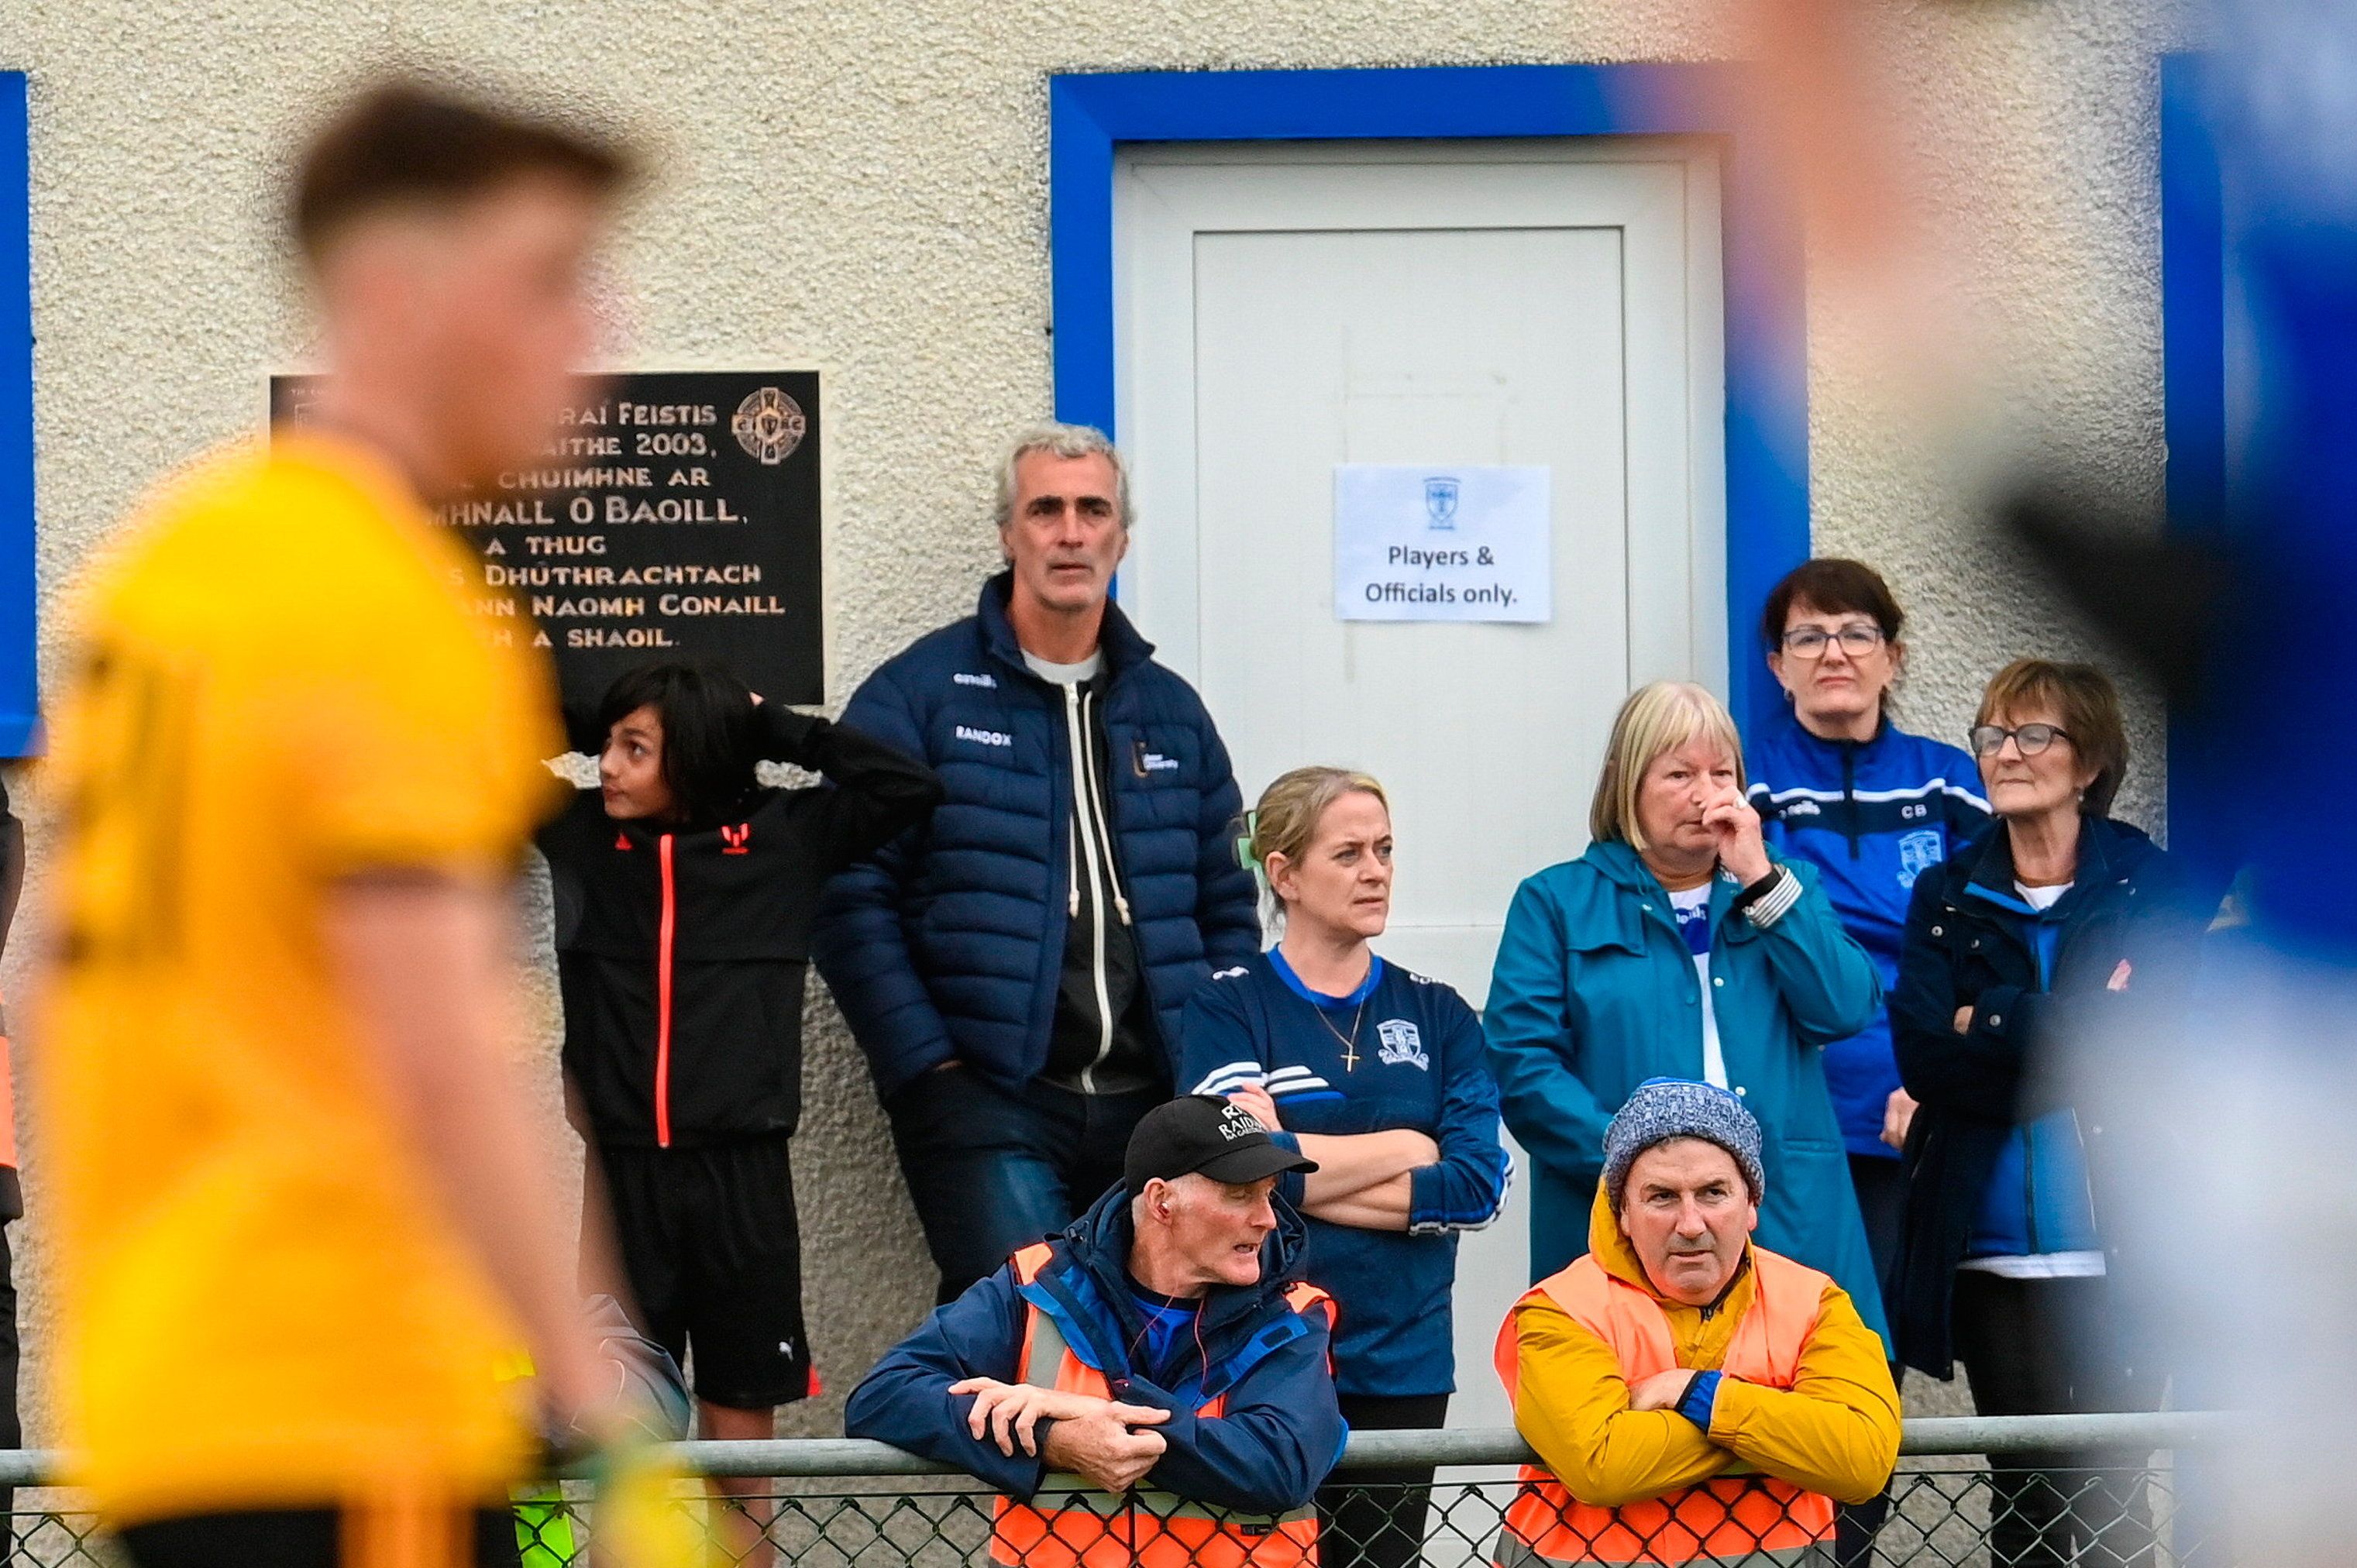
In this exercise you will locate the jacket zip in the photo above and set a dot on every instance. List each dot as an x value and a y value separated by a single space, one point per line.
1085 841
1849 794
663 992
1104 814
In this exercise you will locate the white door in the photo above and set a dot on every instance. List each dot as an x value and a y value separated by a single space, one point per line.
1281 309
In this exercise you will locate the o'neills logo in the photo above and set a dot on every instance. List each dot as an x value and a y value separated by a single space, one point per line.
1240 1124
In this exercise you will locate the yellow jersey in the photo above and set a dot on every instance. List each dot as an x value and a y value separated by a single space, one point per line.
278 684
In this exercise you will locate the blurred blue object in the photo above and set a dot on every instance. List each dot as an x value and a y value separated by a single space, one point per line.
2245 610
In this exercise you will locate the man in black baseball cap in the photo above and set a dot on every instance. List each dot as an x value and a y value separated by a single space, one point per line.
1158 1344
1203 1135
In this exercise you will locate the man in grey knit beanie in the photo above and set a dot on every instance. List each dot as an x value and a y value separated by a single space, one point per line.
1674 1339
1666 1107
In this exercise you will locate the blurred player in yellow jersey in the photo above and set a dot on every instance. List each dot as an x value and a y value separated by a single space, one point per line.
300 1206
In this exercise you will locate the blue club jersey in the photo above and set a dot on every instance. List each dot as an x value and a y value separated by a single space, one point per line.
1871 816
1169 1322
1419 1064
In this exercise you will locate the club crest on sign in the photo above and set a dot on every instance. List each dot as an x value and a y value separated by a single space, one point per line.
1440 493
1917 853
769 424
1399 1041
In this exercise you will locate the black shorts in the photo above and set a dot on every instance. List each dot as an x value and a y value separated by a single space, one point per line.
308 1538
714 1257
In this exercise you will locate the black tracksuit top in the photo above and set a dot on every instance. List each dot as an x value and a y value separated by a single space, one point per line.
681 947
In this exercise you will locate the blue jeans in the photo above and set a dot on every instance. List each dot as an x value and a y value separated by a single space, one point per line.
993 1170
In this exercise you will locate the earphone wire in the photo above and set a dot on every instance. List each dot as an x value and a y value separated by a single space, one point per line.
1202 1352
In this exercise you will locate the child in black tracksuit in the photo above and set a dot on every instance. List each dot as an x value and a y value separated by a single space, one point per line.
684 893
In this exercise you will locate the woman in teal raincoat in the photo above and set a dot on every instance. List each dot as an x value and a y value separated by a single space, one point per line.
1680 946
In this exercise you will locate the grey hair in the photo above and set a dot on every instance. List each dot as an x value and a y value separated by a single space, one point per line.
1184 1189
1060 441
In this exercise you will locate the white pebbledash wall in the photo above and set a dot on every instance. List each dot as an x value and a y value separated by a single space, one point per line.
861 185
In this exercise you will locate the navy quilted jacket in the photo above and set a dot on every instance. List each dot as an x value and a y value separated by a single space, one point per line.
949 942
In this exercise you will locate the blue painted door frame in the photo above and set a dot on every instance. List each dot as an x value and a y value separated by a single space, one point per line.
1767 346
19 687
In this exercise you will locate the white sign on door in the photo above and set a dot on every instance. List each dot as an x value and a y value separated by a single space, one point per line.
1470 542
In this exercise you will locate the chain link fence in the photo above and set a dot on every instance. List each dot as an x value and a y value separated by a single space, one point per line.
2067 1491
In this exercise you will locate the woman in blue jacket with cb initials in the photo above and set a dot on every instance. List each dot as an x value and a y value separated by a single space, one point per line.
1378 1075
1872 808
1680 945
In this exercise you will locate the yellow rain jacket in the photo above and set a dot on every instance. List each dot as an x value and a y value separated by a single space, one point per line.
1834 1431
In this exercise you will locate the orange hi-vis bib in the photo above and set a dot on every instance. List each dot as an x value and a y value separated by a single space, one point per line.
1751 1520
1071 1525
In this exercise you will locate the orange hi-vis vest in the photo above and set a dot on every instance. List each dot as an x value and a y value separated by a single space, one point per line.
1748 1519
1068 1524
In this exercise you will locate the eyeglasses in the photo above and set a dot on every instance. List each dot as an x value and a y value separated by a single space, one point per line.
1858 641
1989 739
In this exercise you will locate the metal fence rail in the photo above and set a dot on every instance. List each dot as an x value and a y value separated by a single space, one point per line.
2102 1491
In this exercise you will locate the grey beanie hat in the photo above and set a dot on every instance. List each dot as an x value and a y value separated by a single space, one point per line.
1666 1107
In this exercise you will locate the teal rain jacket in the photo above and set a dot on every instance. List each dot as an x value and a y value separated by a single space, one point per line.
1595 992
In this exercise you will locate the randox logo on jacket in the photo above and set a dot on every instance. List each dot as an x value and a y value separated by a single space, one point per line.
1746 1520
1067 1524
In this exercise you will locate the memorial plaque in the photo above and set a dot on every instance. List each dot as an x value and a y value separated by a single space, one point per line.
674 516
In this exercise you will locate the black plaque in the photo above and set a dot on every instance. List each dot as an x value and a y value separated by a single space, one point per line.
675 516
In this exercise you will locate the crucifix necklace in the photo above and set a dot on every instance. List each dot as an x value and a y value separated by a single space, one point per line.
1351 1040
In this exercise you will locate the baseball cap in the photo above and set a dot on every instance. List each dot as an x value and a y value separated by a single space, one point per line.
1202 1135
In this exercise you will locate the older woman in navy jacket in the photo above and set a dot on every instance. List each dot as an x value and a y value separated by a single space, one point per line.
2055 918
1680 946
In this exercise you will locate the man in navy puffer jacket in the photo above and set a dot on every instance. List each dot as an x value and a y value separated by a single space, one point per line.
1015 969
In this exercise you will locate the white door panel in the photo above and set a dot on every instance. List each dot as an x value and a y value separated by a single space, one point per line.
1282 309
1309 349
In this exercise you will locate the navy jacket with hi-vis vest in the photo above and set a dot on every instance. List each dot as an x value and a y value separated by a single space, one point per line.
1280 1429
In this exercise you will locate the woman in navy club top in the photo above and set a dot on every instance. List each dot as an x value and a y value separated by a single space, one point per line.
1379 1075
1872 808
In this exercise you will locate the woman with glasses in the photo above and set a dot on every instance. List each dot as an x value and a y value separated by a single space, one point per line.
2056 918
1872 806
